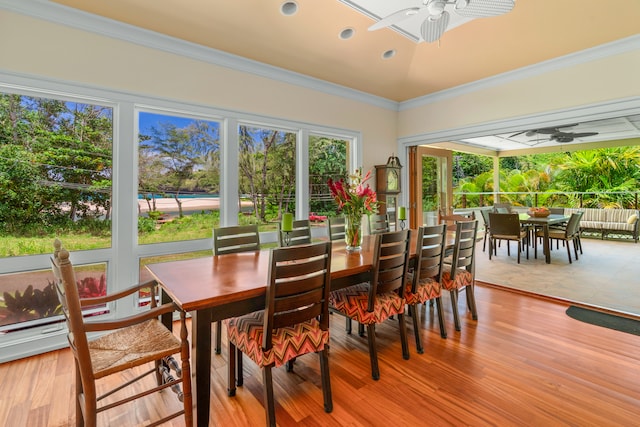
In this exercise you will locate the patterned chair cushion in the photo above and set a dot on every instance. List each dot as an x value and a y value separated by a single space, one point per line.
246 334
353 301
463 278
426 290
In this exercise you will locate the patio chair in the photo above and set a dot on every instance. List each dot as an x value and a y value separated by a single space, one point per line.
423 283
570 234
460 275
232 240
373 302
131 342
295 320
507 227
502 208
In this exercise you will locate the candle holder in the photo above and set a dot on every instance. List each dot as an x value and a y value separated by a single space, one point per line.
286 238
402 224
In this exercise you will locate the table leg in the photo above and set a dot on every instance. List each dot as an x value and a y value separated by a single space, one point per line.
547 249
201 365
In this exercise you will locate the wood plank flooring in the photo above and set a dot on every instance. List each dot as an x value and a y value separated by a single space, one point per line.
524 362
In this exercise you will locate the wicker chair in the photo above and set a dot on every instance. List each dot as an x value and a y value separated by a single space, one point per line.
570 234
295 321
373 302
423 283
134 341
232 240
507 227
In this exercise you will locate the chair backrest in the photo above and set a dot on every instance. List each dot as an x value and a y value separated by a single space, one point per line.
504 224
390 264
464 247
556 211
430 249
378 224
573 225
241 238
300 235
485 218
67 289
451 219
335 227
502 208
298 288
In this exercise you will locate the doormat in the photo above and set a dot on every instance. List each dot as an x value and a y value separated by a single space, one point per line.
611 321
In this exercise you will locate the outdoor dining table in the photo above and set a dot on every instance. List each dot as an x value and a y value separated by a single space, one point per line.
544 222
223 286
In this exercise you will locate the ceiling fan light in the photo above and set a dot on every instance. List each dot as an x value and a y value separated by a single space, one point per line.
433 27
436 7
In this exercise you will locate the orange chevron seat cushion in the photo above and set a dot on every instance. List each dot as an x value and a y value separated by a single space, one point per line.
463 278
246 333
426 290
353 302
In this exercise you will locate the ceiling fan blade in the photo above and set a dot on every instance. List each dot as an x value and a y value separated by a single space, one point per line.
394 18
583 134
433 27
483 8
518 133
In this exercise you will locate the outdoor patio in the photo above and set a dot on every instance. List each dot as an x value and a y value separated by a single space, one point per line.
605 276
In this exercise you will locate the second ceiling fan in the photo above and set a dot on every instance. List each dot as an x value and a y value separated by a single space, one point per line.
437 19
555 134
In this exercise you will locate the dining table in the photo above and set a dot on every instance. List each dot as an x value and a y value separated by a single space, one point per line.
218 287
544 223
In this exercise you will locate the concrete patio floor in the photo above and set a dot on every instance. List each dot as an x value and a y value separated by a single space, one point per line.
607 275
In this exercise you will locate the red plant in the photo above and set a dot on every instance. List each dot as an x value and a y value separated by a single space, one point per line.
91 287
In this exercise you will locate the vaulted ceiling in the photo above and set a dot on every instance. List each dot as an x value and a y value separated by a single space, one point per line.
311 37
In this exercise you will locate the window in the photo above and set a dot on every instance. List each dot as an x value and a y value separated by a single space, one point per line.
178 178
327 159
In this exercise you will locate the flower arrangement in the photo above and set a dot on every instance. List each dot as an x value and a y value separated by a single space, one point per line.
354 200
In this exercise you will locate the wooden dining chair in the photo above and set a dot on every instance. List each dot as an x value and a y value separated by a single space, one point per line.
373 302
121 344
571 233
300 235
507 227
460 274
423 282
379 224
451 219
295 320
336 227
232 240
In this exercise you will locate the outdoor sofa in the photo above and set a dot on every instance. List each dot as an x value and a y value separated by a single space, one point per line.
608 222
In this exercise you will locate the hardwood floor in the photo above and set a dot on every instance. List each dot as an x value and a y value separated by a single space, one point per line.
524 362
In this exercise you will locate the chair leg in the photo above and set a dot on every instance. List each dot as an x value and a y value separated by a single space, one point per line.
326 381
403 336
239 372
81 420
415 314
569 253
348 325
454 307
443 329
269 404
519 250
484 243
575 248
218 337
360 329
231 380
373 354
471 301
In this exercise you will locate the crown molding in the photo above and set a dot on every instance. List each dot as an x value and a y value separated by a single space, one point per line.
617 47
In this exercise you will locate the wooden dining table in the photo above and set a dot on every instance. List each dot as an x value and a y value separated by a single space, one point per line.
544 222
223 286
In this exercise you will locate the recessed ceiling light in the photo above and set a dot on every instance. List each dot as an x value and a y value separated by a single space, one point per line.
389 54
289 8
347 33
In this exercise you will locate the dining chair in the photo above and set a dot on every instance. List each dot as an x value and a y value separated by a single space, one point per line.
231 240
423 282
460 274
111 346
336 227
506 226
373 302
295 320
379 224
570 234
300 235
451 219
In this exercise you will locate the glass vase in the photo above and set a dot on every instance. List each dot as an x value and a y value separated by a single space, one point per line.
353 232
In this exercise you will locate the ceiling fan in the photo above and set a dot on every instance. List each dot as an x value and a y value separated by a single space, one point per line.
555 134
438 18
